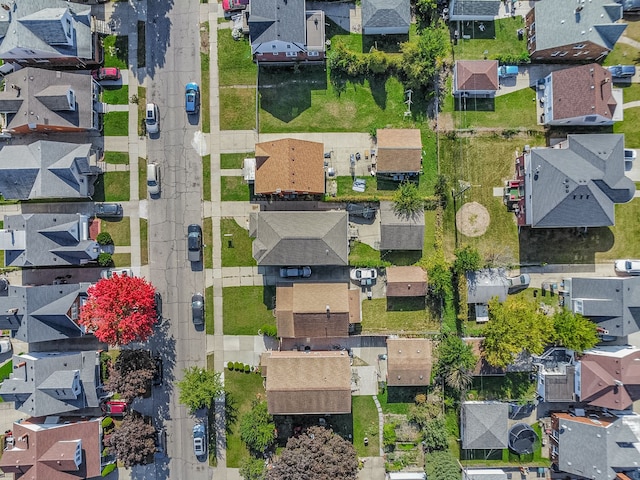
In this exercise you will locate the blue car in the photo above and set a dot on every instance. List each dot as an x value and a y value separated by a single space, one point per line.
508 71
622 71
192 98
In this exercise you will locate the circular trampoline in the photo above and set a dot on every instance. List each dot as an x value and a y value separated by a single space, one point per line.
522 438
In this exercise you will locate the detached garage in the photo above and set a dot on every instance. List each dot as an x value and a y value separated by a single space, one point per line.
386 17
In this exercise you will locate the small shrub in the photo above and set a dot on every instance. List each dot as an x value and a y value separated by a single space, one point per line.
389 435
269 330
105 260
104 238
421 398
230 365
108 469
247 369
237 366
107 422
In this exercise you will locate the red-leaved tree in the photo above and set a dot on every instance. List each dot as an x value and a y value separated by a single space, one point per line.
120 310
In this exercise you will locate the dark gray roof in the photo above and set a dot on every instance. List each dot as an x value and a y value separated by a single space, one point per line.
44 384
47 239
42 99
597 447
485 284
300 238
577 185
386 13
277 21
484 425
558 24
43 313
398 231
46 170
473 9
613 303
40 25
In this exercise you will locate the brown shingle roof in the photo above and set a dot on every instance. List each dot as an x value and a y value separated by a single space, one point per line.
308 383
409 361
289 165
583 90
406 282
301 310
47 451
474 75
399 150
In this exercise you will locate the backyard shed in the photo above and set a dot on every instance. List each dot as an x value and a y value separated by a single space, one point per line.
399 231
409 361
406 282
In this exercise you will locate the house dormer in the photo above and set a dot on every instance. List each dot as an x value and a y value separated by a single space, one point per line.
54 26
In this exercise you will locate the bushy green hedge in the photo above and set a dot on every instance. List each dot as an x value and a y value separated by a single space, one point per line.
104 238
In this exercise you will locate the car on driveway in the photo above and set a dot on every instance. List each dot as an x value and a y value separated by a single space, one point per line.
115 408
199 439
151 118
106 73
629 155
108 210
234 5
197 309
110 272
506 71
291 272
360 274
520 282
194 243
622 71
192 98
627 266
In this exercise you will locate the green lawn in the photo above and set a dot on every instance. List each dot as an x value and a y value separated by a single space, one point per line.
238 253
397 400
208 311
117 157
144 241
142 178
505 42
204 89
242 389
206 178
512 386
515 110
625 233
6 370
234 189
116 124
630 92
622 54
407 316
629 127
116 51
115 95
112 187
120 230
362 255
365 424
122 259
234 160
247 309
235 64
207 239
142 107
633 28
237 108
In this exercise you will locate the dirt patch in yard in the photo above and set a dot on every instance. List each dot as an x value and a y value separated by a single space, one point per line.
472 219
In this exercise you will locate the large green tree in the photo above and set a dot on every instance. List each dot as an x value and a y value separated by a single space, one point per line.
467 259
434 434
574 331
407 200
515 326
199 388
257 429
423 59
442 466
455 362
253 469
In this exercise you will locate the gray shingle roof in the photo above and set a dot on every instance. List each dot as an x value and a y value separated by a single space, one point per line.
386 13
300 238
46 170
47 239
557 23
484 425
43 312
400 232
277 20
474 9
485 284
578 185
613 303
42 383
39 25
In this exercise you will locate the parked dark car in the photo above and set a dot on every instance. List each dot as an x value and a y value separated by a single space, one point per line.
197 309
108 210
158 376
194 243
158 299
622 71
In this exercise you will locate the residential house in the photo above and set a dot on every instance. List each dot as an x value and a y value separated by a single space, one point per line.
573 32
474 10
46 448
44 313
409 362
380 17
609 377
600 446
475 78
314 310
399 153
289 168
482 367
576 183
50 34
284 32
47 239
556 375
54 383
483 425
406 282
47 170
482 286
307 383
300 238
580 96
612 303
37 100
399 231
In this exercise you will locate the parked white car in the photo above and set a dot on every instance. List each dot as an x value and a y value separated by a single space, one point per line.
628 267
127 272
360 274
